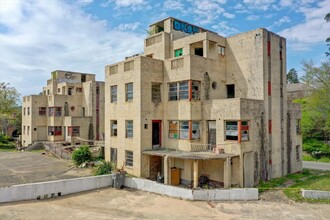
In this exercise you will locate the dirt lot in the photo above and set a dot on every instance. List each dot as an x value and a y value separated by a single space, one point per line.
29 167
133 204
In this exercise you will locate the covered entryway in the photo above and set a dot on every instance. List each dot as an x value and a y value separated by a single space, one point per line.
156 134
156 167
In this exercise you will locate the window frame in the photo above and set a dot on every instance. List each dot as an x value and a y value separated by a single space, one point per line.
113 131
178 52
129 94
129 129
113 93
42 111
156 93
231 130
183 129
129 158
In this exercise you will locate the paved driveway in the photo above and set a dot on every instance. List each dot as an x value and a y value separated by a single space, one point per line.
133 204
28 167
316 165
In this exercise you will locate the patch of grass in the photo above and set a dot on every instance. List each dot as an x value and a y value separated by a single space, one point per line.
308 157
307 179
7 150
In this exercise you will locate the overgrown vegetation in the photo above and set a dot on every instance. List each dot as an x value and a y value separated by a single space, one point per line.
104 168
308 157
293 183
6 142
81 155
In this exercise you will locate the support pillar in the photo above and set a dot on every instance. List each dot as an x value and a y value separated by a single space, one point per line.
195 174
205 48
227 173
167 171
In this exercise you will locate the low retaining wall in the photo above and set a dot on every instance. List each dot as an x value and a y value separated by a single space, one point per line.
189 194
315 194
44 190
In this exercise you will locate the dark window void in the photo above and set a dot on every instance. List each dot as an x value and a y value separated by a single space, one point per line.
231 91
83 78
199 51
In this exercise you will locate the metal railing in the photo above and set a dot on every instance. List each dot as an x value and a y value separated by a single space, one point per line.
229 147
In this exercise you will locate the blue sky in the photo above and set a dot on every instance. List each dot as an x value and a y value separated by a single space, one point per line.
39 36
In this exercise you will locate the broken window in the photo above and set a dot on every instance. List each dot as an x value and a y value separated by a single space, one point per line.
97 90
113 95
178 52
221 50
231 130
51 130
129 92
42 111
199 51
58 130
155 93
231 91
58 111
74 131
298 126
195 90
195 131
114 128
245 130
184 129
174 129
83 77
173 91
51 111
70 91
129 129
129 158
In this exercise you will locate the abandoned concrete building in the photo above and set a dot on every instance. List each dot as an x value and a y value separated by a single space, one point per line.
71 105
198 104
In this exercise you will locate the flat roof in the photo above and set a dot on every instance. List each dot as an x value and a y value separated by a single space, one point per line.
187 155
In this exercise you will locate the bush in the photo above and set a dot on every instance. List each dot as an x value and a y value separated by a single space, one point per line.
7 146
81 155
4 139
316 148
104 168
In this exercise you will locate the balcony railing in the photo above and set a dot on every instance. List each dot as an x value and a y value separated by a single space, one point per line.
230 147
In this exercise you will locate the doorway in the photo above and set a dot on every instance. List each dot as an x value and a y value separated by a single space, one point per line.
156 134
156 167
212 134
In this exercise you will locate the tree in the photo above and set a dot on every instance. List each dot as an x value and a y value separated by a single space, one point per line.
9 99
327 19
292 76
316 107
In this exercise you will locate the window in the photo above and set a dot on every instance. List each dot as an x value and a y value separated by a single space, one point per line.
78 89
195 90
51 130
113 155
221 50
245 131
184 130
129 66
23 129
28 111
42 111
178 52
51 111
54 130
174 129
155 93
129 129
231 130
173 91
298 126
97 90
74 131
58 111
58 90
184 90
195 131
83 77
129 92
199 51
113 128
58 130
28 130
298 152
113 95
231 91
129 158
23 111
113 69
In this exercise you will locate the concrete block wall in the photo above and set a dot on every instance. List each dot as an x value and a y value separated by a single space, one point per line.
315 194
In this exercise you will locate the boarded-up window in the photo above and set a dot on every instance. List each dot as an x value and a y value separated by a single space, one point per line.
155 93
178 52
178 63
129 66
174 129
113 69
154 40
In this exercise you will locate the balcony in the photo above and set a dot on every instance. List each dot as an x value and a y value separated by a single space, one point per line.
223 148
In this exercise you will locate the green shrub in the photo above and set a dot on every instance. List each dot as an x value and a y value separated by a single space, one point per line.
4 139
7 146
81 155
316 148
104 168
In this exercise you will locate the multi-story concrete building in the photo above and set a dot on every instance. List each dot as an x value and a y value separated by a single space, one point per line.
72 104
196 103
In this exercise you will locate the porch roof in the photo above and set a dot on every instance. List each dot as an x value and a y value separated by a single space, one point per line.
205 155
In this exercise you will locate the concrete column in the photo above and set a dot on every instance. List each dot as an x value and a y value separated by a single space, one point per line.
195 173
166 171
227 173
205 48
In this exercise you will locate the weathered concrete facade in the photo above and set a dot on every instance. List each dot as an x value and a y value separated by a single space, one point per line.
196 103
72 104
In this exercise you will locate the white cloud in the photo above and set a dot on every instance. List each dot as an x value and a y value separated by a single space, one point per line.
252 17
312 31
228 15
173 5
224 29
206 11
50 35
85 2
132 4
259 4
278 23
128 26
